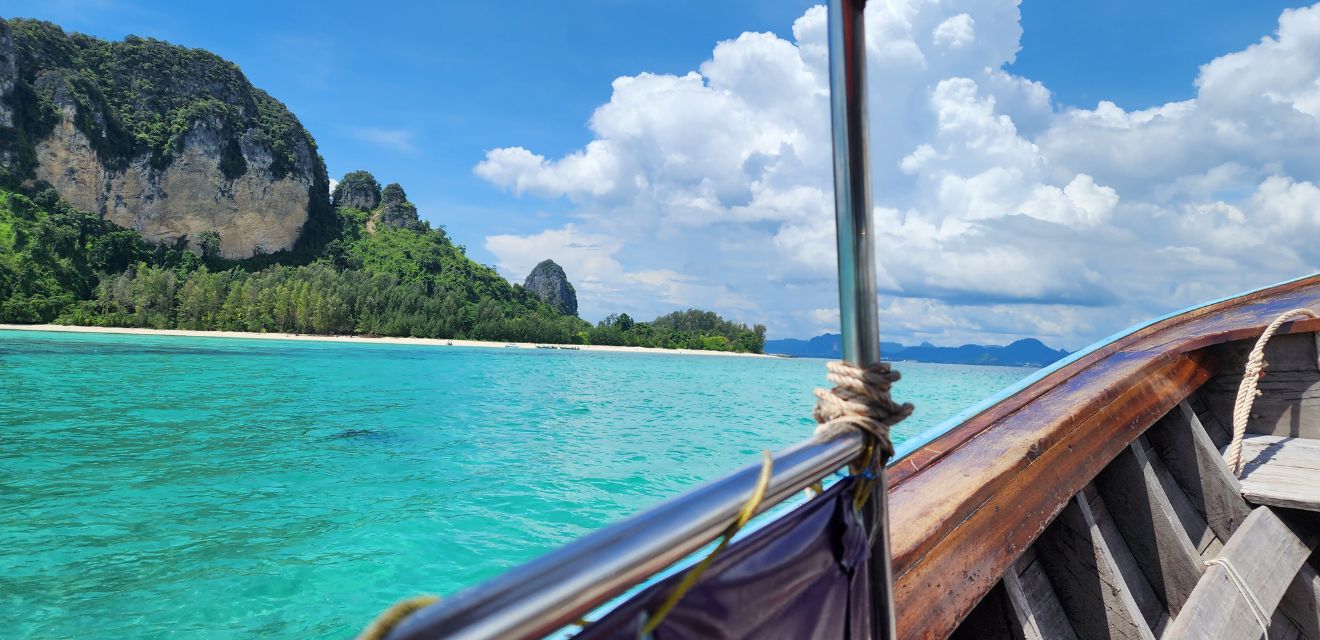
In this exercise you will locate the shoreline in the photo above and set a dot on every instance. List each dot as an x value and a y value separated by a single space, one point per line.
428 342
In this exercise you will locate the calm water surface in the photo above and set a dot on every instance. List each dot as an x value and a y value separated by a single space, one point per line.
210 487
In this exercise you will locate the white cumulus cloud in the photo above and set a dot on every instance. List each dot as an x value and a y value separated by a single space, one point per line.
999 214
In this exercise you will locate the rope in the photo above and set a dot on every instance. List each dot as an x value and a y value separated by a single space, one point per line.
391 617
1250 378
859 400
694 574
1250 596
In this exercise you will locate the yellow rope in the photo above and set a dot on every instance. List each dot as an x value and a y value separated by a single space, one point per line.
694 574
391 617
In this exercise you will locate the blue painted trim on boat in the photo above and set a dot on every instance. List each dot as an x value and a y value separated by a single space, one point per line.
926 437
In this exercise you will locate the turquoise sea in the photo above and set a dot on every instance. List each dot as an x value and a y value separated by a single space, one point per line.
158 486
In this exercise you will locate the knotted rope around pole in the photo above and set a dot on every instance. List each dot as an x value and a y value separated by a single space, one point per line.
859 400
1247 392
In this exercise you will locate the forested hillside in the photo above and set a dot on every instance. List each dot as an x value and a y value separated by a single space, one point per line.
144 184
59 264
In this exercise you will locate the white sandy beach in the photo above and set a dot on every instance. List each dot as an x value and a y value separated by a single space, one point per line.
430 342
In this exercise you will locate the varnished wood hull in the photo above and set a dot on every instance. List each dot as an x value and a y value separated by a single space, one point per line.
996 510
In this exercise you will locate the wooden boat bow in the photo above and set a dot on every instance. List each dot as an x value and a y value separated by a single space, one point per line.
966 505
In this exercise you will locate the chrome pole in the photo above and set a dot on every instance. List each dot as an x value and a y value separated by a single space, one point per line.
857 291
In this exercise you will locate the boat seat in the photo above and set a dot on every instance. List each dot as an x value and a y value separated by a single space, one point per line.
1281 472
1240 589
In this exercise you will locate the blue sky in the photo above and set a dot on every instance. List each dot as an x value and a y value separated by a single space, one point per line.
416 92
420 92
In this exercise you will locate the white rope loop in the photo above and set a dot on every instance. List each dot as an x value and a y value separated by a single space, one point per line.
859 400
1247 392
1253 602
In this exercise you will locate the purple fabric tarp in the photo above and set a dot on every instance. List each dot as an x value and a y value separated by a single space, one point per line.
802 576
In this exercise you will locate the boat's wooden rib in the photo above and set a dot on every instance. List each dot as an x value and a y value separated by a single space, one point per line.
1301 602
1266 552
1149 602
957 532
1086 577
1151 530
1038 607
1191 520
1024 610
1194 462
1198 413
993 619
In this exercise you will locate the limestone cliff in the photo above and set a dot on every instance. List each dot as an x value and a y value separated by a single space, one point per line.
395 210
550 284
172 142
357 190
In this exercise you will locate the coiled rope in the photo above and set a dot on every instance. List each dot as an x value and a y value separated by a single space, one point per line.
1247 392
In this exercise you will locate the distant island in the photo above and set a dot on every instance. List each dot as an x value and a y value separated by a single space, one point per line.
1023 353
144 184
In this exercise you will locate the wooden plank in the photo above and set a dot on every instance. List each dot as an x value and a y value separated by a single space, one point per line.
1193 523
1301 602
1220 433
993 619
1023 609
1099 603
1150 603
1289 404
1281 472
1034 599
1267 553
1197 467
1156 538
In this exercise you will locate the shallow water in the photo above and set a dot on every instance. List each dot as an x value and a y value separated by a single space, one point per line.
164 486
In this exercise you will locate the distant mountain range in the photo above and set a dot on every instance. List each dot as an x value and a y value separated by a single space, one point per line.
1023 353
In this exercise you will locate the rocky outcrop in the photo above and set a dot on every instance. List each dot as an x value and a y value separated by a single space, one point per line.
549 283
171 142
253 214
8 74
395 210
357 190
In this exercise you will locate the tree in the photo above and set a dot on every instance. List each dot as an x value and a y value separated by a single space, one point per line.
208 242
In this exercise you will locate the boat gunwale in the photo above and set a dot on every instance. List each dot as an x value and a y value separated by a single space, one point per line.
927 447
978 476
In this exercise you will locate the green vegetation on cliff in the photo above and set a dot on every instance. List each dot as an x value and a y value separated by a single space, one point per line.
140 96
52 255
58 264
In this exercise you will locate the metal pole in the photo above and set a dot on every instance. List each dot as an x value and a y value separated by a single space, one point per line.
857 292
541 596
